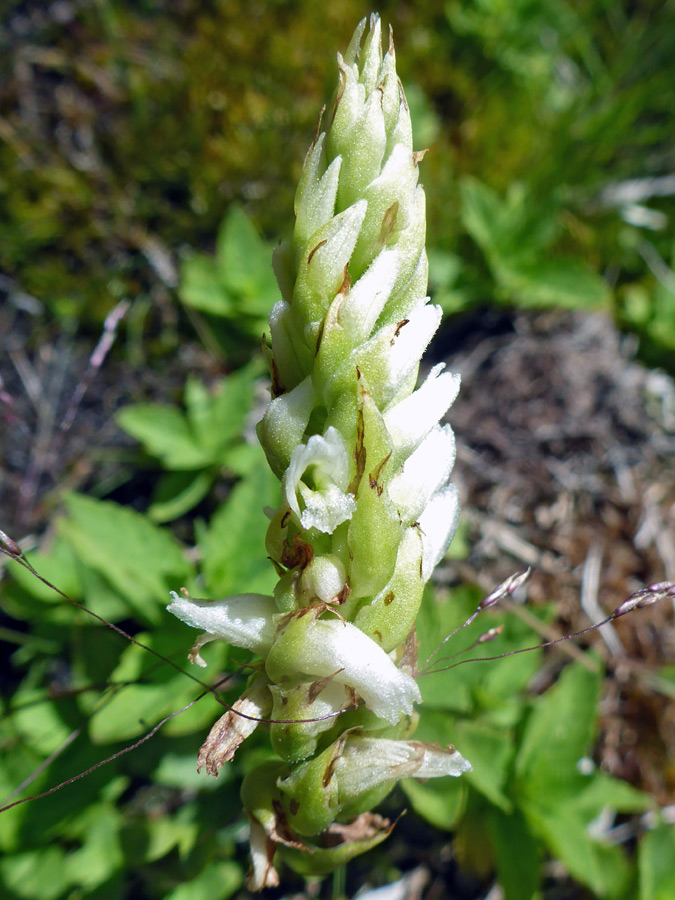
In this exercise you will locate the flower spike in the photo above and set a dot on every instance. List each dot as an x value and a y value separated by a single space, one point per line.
368 510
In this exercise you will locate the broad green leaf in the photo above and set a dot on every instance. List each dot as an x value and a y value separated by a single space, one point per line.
179 830
566 283
142 562
39 722
601 866
181 772
100 855
516 854
482 214
218 417
35 874
244 262
216 881
101 596
441 801
490 752
239 251
478 683
604 792
655 864
557 735
201 287
514 232
165 433
233 545
177 493
136 702
488 749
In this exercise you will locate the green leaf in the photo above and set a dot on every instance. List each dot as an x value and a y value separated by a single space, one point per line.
218 417
177 493
601 866
35 874
558 733
201 287
100 855
604 792
233 546
482 214
216 881
488 749
181 772
655 864
440 802
142 562
516 854
135 704
165 433
39 722
490 752
514 232
474 684
240 252
565 283
169 831
558 800
57 565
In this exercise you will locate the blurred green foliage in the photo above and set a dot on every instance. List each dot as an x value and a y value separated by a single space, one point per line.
139 142
534 788
128 129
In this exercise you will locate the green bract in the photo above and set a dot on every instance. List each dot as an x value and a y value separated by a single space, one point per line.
368 510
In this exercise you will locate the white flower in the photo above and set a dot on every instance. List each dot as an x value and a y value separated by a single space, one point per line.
438 524
409 421
327 504
366 762
243 620
366 299
423 473
335 647
284 423
391 357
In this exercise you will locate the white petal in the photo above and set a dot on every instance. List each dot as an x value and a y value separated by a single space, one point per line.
243 620
439 761
438 524
366 299
423 473
284 423
332 646
262 874
327 505
408 343
366 762
412 419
